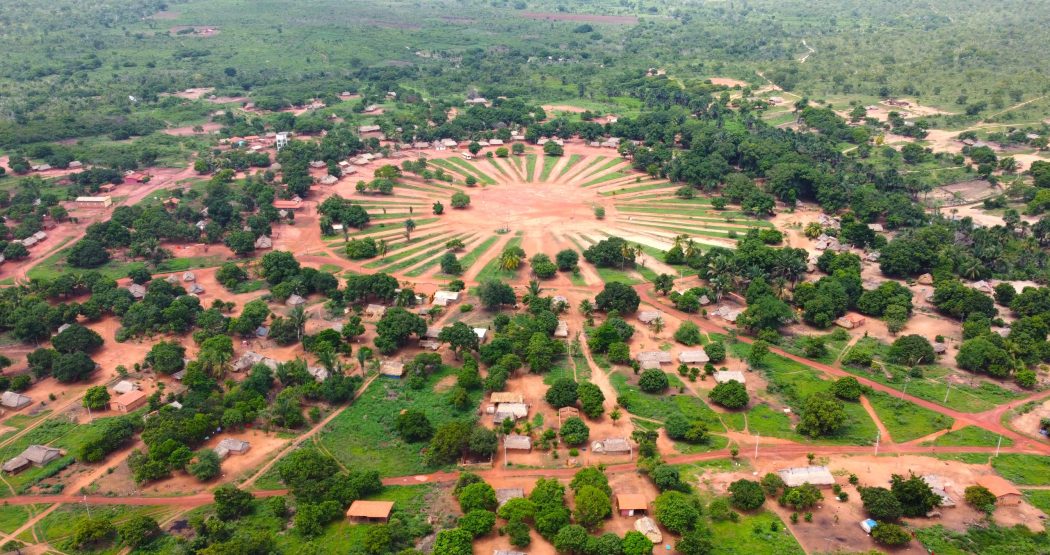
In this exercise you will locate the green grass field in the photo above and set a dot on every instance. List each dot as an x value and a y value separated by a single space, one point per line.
573 160
1024 470
905 420
548 164
970 436
363 435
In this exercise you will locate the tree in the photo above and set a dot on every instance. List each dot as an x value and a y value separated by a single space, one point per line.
758 353
240 242
206 465
477 496
731 395
494 294
396 327
413 426
517 148
232 503
470 181
410 225
915 495
92 532
571 539
77 338
562 393
552 148
450 265
890 534
166 357
716 351
696 542
567 260
460 200
619 353
667 477
72 367
982 355
591 399
542 266
574 431
911 350
96 397
454 541
680 427
881 504
138 530
766 313
279 266
87 253
653 380
847 389
358 249
677 511
664 283
980 498
772 484
635 543
592 507
688 334
821 415
448 444
746 495
460 337
478 522
617 296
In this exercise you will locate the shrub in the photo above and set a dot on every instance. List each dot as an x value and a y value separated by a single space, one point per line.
890 534
847 389
746 495
653 380
731 395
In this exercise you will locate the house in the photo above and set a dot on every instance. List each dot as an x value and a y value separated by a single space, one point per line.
482 334
319 373
566 413
728 314
815 475
40 236
295 300
648 528
498 397
433 332
510 411
375 311
12 400
724 376
196 289
317 164
231 446
189 276
37 455
653 359
329 180
129 401
288 204
612 446
630 504
696 356
467 156
124 386
562 330
925 279
251 358
280 140
365 129
264 242
138 291
650 316
939 485
430 344
849 321
506 494
448 143
517 443
392 368
559 300
77 164
370 511
478 100
136 177
1005 492
496 142
63 328
94 202
984 287
443 298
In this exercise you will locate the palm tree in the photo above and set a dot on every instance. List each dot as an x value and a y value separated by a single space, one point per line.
326 357
298 318
214 362
381 247
410 224
509 260
534 290
362 355
657 326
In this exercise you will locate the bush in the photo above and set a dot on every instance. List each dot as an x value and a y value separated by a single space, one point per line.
619 353
688 334
847 389
746 495
980 498
478 522
574 431
890 534
731 395
653 380
716 352
911 350
478 496
676 511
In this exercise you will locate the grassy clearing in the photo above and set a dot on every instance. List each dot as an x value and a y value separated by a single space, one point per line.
794 382
754 533
473 169
904 420
57 527
660 407
363 435
638 189
1025 470
607 177
613 162
596 160
421 257
610 275
55 265
573 160
1039 498
472 257
969 436
14 516
390 258
530 167
982 539
931 387
499 168
548 164
391 226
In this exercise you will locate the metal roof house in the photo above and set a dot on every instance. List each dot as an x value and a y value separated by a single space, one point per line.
815 475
